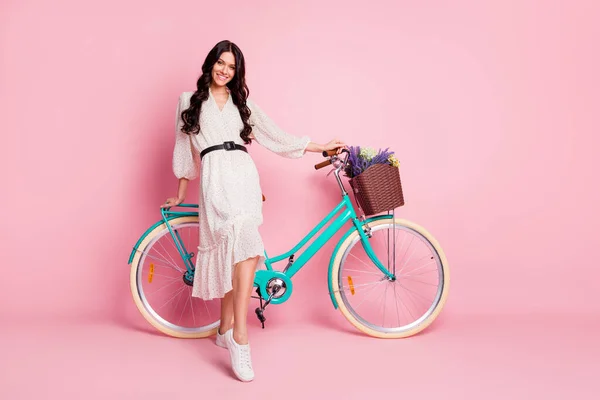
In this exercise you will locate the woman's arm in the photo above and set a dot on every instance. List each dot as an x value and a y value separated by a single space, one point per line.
181 193
331 145
315 147
182 189
186 159
267 133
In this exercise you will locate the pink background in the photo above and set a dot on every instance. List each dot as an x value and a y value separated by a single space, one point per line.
491 108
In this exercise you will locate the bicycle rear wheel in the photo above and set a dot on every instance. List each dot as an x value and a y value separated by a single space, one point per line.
391 308
159 291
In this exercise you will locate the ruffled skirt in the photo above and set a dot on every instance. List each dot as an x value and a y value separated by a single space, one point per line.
239 240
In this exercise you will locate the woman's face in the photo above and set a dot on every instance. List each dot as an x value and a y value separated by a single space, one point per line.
224 69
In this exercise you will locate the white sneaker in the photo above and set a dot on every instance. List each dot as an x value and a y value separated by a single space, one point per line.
240 358
221 342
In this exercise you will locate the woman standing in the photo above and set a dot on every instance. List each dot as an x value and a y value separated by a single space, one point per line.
213 125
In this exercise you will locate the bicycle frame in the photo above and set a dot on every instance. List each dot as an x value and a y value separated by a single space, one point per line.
346 212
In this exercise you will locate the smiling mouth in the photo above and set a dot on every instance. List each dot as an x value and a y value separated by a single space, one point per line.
222 77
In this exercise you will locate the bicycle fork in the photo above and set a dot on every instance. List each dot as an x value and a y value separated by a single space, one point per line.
365 234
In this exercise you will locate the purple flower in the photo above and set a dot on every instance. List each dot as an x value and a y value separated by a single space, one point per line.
357 164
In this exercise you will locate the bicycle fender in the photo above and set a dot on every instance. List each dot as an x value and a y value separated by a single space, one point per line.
337 249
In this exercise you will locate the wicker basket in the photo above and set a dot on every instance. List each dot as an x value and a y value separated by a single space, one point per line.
378 189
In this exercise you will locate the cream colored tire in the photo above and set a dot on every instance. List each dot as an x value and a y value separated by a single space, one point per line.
361 326
134 286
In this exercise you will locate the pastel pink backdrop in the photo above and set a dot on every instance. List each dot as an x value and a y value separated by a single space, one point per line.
490 106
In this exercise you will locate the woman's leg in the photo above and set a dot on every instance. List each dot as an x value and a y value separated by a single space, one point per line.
243 279
226 313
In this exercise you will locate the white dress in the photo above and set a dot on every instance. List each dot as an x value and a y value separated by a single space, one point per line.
230 200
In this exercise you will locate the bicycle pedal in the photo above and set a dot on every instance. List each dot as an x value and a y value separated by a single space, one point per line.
261 316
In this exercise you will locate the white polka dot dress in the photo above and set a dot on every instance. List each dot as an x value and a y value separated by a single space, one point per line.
230 200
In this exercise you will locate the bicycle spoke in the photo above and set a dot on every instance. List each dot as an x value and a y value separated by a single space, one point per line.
184 307
173 265
384 303
364 272
192 304
421 273
366 296
407 247
207 310
162 287
386 246
396 241
177 304
173 278
362 285
172 297
370 266
424 265
167 298
413 293
416 280
396 302
406 308
417 295
161 260
166 251
406 262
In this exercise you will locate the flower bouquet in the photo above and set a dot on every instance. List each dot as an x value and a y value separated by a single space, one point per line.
375 179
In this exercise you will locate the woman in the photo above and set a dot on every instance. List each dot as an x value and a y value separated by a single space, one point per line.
230 205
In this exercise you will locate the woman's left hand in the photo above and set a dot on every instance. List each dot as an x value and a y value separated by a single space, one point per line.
335 144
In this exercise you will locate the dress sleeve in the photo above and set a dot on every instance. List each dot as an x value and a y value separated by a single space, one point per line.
186 159
269 135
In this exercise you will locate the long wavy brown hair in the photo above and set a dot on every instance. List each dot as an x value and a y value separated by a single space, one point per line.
237 86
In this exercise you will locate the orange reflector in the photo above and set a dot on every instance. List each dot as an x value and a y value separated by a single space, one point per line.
351 284
151 274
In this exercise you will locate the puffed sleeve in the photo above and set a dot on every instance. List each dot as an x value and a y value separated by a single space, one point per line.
186 159
269 135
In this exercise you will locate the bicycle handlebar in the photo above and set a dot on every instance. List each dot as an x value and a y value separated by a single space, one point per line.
329 161
329 153
323 164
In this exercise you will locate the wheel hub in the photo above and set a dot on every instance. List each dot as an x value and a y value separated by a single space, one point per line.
188 279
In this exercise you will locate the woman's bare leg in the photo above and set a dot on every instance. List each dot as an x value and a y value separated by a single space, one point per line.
243 279
226 313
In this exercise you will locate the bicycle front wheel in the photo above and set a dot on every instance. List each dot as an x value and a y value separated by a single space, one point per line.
384 307
158 287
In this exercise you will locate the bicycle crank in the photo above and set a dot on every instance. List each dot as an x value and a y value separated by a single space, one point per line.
276 288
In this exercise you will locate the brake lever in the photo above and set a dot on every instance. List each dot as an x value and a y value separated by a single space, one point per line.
337 164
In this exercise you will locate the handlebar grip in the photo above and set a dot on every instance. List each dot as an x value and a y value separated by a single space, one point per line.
323 164
329 153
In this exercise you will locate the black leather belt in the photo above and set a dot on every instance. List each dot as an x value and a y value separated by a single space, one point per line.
225 146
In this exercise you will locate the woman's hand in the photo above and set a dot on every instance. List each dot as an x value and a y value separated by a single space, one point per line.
172 202
335 144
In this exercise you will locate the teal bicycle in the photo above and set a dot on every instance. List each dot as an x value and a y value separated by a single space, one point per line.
388 276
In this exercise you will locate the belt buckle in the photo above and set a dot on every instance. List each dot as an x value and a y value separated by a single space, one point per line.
229 145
